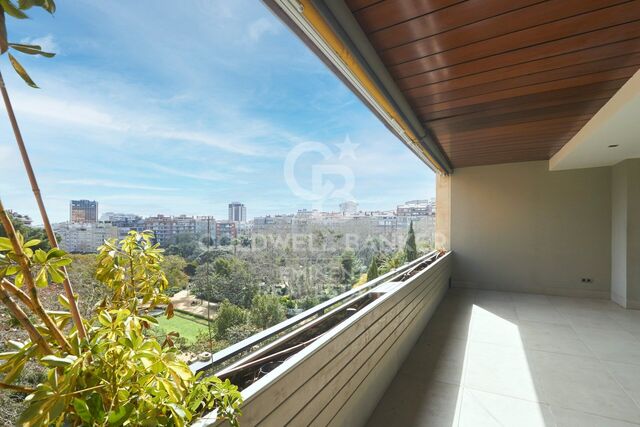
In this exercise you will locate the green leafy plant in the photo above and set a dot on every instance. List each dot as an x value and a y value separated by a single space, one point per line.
118 375
18 11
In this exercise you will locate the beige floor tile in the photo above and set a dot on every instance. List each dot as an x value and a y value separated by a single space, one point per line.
499 369
568 418
582 384
552 337
415 403
540 312
487 409
628 376
614 346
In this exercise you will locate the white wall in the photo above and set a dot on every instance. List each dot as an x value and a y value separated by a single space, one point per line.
520 227
625 239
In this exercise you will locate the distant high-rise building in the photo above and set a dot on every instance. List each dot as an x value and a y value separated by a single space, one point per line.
237 212
83 211
348 208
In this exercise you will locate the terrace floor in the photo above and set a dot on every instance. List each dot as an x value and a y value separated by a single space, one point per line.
505 359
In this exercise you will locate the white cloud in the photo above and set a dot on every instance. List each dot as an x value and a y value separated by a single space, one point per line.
47 43
203 176
260 27
113 184
71 109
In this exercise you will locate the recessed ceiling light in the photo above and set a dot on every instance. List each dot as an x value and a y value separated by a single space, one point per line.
613 145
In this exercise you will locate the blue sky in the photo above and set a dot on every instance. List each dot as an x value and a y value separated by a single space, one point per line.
181 107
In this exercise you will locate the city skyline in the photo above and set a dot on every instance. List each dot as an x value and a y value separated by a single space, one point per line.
103 215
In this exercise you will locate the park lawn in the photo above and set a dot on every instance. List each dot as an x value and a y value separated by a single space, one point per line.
187 326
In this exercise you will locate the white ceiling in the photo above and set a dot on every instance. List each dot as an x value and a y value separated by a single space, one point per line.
617 122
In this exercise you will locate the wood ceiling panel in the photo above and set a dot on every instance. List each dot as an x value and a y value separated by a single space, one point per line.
546 64
585 41
604 76
594 67
392 12
515 20
355 5
567 110
458 15
540 35
559 97
504 81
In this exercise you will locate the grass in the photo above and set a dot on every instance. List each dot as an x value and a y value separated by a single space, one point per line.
187 326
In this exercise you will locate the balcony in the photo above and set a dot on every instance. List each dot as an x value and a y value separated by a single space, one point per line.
426 354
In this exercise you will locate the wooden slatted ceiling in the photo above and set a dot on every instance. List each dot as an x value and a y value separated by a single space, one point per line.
504 81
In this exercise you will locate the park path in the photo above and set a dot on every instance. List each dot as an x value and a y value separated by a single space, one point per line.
185 301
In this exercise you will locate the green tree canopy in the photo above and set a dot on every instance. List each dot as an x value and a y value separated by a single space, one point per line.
372 272
266 311
410 248
186 245
226 278
229 316
174 267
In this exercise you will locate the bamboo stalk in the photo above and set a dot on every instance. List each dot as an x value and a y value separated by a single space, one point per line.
68 289
18 388
18 293
24 321
28 280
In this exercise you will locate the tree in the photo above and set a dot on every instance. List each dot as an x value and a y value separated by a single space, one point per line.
309 302
245 241
29 232
185 245
266 311
410 249
190 269
174 267
227 278
372 272
225 241
229 316
347 267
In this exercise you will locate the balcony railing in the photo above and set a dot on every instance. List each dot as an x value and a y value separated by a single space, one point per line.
334 361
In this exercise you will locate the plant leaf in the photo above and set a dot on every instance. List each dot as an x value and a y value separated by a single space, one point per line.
169 311
5 244
21 71
12 9
32 242
56 361
82 409
31 50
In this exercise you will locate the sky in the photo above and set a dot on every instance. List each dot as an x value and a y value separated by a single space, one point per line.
183 107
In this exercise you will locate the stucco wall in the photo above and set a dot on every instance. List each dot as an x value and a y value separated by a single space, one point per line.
521 227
